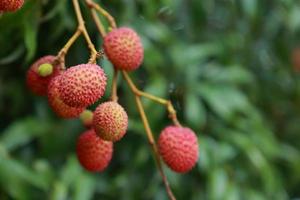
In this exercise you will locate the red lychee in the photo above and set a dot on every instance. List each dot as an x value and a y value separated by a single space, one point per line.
93 153
82 85
178 147
39 84
110 121
57 105
10 5
124 48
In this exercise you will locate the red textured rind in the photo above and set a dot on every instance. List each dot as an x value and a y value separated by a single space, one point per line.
82 85
110 121
57 105
93 153
11 5
178 147
36 83
124 48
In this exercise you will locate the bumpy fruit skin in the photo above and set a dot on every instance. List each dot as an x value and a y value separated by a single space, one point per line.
11 5
93 153
82 85
124 48
57 105
110 121
36 83
178 147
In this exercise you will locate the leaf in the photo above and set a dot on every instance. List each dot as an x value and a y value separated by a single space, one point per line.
224 100
59 191
22 132
14 170
217 183
194 111
85 187
30 30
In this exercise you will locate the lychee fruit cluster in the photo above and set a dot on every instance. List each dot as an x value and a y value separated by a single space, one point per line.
124 48
10 5
178 147
70 92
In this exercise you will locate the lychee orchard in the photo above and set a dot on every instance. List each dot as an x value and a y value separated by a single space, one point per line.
71 90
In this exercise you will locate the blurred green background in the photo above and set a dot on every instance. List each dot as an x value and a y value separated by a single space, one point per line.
226 66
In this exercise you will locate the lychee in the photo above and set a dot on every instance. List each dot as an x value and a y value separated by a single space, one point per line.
82 85
178 147
57 105
10 5
37 80
110 121
124 48
93 153
87 118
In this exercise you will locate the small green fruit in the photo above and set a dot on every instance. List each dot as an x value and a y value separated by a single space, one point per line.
45 69
87 118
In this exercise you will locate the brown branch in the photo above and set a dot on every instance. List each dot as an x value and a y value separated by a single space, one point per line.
82 28
154 147
60 58
102 11
114 86
98 23
167 103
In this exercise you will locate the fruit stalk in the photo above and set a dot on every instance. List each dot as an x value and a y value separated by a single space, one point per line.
153 146
82 28
167 103
102 11
114 93
60 58
98 23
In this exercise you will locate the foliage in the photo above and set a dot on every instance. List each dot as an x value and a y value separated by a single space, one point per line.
225 65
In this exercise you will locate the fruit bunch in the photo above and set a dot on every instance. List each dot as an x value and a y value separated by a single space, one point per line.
71 91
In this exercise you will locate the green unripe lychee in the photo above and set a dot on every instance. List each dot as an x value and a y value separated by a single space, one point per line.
45 69
87 118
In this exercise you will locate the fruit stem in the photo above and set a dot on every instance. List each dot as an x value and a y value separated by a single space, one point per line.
167 103
60 58
114 86
102 11
98 23
153 146
82 29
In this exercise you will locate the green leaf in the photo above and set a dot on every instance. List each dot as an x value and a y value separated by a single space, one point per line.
31 22
194 111
224 100
22 132
85 187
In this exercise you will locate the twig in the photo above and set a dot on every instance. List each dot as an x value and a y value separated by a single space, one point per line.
60 58
167 103
153 146
114 86
102 11
98 23
82 28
